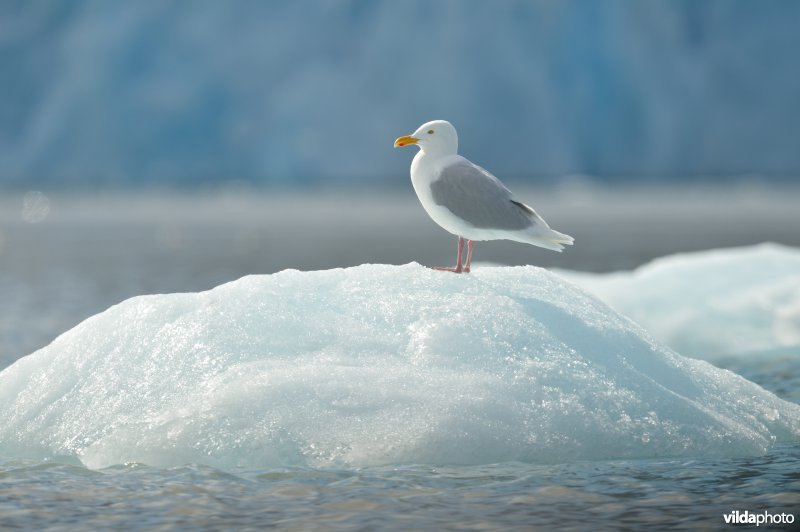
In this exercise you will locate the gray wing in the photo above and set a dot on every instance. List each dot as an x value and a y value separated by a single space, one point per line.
478 197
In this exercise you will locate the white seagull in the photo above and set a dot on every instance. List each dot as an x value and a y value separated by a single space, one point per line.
468 201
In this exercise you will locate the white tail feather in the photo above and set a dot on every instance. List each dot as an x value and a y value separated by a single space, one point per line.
550 240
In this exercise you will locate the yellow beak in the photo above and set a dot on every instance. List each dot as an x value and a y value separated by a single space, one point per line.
405 141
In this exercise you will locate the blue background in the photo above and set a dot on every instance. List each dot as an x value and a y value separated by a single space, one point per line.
107 93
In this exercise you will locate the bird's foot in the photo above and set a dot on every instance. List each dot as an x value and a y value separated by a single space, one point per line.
459 269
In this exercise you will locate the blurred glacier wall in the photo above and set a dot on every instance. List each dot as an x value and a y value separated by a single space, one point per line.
106 92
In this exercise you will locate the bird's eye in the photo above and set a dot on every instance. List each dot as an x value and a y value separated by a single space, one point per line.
430 132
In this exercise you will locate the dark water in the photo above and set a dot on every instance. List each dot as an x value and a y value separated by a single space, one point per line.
684 494
63 259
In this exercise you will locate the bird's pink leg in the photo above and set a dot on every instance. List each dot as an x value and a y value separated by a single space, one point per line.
470 243
458 268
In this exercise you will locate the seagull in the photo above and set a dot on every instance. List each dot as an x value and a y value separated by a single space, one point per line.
468 201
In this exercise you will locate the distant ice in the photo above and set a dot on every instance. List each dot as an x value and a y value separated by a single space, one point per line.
712 304
376 365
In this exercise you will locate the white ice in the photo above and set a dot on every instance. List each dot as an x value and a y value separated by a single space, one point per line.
376 365
712 304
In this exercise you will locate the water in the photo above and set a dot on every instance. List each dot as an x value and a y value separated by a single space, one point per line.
579 496
79 255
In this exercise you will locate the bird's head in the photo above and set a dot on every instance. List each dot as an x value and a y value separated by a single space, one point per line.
436 137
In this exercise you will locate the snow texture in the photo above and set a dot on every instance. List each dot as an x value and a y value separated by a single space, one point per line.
739 302
376 365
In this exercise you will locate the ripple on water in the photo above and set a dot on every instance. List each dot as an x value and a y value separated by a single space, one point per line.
510 495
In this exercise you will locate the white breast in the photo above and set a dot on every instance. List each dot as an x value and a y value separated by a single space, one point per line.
425 170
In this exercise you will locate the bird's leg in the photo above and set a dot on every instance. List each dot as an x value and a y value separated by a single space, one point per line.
470 243
460 253
458 268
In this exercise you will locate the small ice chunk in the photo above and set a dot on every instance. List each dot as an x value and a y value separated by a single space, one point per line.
712 304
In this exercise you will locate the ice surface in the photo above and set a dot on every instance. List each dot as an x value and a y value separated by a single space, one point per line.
376 365
712 304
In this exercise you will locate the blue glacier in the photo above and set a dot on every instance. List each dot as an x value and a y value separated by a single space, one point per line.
283 92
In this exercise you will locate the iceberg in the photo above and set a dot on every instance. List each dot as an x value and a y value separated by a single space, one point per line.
376 365
725 303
